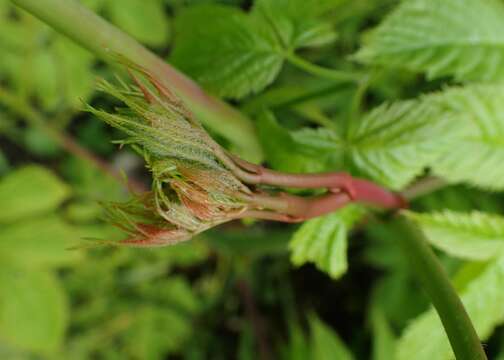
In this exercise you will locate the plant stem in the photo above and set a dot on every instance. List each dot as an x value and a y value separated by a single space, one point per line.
22 109
463 338
95 34
332 74
423 187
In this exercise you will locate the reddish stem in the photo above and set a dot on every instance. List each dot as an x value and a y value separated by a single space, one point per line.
373 194
343 187
292 208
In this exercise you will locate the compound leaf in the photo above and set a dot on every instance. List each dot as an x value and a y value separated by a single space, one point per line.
235 54
394 143
460 38
219 47
477 157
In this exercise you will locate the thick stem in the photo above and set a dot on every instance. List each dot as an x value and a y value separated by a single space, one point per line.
294 208
463 338
370 193
95 34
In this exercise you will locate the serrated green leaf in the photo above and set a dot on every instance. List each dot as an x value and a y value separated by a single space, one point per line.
219 47
325 342
394 143
29 191
475 235
323 240
145 20
33 309
39 242
483 299
461 38
477 158
295 22
234 54
305 150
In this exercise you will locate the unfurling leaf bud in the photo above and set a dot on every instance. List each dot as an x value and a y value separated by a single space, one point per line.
192 188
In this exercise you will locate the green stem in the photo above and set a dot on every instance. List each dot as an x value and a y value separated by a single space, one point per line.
331 74
313 95
95 34
463 338
423 186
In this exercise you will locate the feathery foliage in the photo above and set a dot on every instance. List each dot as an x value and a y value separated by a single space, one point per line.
192 189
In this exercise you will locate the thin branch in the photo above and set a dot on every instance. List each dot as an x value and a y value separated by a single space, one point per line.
326 73
28 114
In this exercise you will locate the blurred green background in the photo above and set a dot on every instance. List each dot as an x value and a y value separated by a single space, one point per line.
232 292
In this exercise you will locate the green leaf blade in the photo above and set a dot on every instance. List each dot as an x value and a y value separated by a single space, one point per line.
394 143
434 37
33 309
296 23
323 240
304 150
474 236
477 158
29 191
145 20
325 342
228 57
39 242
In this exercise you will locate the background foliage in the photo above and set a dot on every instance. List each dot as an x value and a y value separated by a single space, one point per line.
389 90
